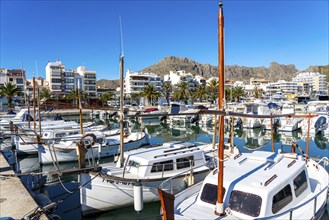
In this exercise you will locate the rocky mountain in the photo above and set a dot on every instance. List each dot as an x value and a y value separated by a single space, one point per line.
274 72
108 84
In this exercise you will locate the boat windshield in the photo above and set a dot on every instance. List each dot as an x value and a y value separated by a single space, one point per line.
209 193
245 203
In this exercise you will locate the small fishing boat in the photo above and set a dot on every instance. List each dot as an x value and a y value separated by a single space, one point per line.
113 187
65 150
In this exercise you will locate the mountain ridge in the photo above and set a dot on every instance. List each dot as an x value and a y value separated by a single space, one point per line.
274 72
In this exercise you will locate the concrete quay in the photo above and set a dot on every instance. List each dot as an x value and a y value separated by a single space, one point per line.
15 200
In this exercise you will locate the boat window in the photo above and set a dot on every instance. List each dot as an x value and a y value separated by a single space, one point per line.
300 183
45 134
209 193
185 162
60 135
281 199
162 166
245 203
99 140
133 163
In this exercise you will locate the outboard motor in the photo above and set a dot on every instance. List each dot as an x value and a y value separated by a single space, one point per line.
58 117
320 124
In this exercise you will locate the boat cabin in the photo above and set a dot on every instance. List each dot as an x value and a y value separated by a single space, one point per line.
171 157
281 184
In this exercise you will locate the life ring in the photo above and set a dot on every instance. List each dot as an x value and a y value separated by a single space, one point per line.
89 135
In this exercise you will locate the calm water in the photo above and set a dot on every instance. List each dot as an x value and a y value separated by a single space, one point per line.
247 140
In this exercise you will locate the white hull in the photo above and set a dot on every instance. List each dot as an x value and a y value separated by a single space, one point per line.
102 194
46 153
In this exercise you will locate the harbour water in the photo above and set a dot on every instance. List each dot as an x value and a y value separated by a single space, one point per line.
247 140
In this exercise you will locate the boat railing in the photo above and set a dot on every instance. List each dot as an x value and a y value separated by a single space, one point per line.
290 212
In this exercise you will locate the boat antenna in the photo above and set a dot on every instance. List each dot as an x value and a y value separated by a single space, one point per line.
121 96
220 192
121 37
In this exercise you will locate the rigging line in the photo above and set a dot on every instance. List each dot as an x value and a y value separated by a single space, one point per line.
64 186
62 200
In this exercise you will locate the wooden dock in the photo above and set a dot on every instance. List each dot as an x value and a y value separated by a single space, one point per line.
15 200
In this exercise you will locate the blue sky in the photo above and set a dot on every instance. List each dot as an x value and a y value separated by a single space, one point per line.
87 33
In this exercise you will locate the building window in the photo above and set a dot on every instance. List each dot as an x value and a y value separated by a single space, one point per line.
19 81
54 87
56 80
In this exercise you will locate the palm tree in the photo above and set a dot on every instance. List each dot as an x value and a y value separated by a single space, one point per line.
150 92
228 94
238 92
182 91
9 90
258 92
167 90
212 87
45 95
200 92
104 97
74 95
135 97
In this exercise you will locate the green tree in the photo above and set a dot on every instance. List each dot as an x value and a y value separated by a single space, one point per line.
135 97
258 92
104 97
200 92
9 90
182 91
45 95
228 94
212 87
238 92
74 95
150 92
167 90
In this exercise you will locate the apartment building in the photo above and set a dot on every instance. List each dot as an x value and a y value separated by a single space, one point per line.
88 77
313 81
135 82
175 77
62 80
14 76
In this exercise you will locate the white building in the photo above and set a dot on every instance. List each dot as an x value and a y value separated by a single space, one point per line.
175 77
315 80
135 82
62 80
14 76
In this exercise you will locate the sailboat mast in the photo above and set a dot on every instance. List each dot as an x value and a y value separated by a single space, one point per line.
220 193
121 97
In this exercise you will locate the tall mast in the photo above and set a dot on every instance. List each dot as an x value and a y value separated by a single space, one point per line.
121 97
220 192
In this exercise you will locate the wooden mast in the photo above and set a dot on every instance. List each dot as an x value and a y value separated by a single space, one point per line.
121 98
34 105
80 107
220 192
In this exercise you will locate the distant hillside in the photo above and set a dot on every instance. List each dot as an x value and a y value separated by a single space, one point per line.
274 72
321 69
108 84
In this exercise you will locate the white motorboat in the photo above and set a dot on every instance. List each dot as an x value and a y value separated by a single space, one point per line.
254 109
65 150
113 187
289 124
178 108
